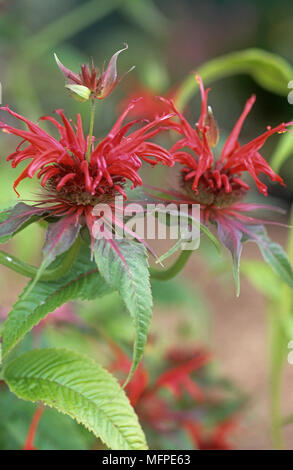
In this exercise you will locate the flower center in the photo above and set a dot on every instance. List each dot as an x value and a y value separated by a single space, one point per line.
75 192
215 188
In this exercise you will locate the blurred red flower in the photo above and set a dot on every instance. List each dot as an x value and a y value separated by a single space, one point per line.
157 412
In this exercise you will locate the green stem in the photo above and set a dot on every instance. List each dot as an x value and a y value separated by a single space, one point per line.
91 130
278 351
280 334
52 274
166 274
250 61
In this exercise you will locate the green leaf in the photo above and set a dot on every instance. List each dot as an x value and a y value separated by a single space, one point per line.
79 92
270 71
75 385
60 237
81 282
16 218
124 265
272 253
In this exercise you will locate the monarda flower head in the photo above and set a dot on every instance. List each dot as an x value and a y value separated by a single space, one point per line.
217 184
91 82
73 179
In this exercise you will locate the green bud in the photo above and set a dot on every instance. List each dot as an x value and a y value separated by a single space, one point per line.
79 92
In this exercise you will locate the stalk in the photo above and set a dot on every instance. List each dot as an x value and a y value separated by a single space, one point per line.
50 274
91 130
169 273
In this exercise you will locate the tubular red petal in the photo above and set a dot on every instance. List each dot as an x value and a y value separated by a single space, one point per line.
64 180
231 143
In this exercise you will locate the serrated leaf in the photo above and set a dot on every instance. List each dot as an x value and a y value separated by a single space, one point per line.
77 386
124 265
81 282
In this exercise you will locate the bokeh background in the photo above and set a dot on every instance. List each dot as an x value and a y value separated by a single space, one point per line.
167 40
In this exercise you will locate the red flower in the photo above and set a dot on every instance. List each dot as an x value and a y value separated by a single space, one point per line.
177 379
72 184
216 439
99 84
211 181
157 413
217 185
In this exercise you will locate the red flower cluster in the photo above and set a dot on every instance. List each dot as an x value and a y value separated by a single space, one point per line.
219 182
73 183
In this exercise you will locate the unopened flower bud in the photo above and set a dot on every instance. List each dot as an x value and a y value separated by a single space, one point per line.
213 130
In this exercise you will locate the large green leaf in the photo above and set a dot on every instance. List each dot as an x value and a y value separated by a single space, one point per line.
124 265
82 282
77 386
270 71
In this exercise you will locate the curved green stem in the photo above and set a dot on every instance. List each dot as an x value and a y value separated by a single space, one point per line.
278 353
255 62
91 129
280 335
50 274
166 274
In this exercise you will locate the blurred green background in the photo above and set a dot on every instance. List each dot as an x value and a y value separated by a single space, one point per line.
167 40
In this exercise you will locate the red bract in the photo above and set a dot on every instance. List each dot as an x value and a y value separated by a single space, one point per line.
99 83
211 180
73 184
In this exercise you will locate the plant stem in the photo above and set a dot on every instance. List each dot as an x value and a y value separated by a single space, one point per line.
29 443
91 129
50 274
277 350
280 334
166 274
